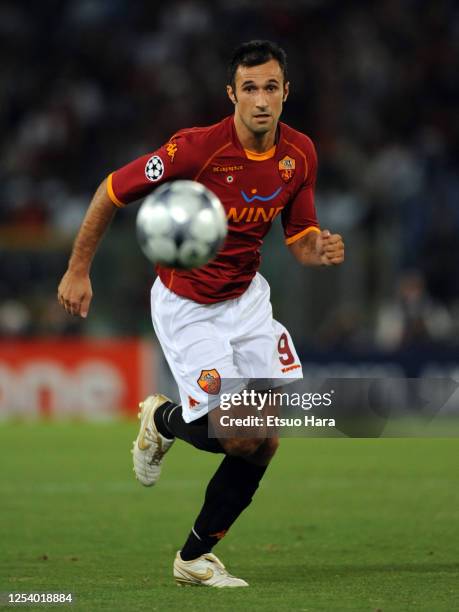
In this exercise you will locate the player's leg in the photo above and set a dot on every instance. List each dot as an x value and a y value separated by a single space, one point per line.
235 482
262 350
228 494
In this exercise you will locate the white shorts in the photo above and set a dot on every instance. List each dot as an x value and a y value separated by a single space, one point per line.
232 341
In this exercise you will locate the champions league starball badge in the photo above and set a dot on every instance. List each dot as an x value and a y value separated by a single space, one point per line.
154 168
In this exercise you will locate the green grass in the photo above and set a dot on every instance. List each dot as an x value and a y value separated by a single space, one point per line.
338 524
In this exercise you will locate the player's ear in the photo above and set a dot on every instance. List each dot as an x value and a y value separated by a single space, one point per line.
231 94
286 91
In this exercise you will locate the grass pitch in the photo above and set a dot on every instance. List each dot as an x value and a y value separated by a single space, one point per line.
337 524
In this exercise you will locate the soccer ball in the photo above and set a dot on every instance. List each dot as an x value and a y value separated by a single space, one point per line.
181 225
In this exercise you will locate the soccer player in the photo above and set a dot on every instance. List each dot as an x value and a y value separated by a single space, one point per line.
216 322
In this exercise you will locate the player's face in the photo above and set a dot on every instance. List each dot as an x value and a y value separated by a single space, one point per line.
259 96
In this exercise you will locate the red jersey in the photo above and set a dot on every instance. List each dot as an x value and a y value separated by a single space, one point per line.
253 188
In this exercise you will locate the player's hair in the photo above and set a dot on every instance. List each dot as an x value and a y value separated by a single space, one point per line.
254 53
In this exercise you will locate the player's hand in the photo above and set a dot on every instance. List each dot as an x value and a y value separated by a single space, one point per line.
75 293
329 248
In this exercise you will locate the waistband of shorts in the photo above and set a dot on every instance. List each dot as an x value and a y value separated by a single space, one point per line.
257 280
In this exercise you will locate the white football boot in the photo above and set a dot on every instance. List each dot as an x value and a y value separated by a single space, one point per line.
150 446
206 570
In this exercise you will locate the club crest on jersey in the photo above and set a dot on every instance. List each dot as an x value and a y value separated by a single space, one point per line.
154 168
210 381
287 168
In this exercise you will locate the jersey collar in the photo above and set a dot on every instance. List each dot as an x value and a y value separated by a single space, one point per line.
260 156
252 155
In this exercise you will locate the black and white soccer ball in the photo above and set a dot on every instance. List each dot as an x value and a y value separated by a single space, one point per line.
181 225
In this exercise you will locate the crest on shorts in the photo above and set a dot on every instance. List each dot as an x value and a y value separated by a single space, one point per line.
287 168
210 381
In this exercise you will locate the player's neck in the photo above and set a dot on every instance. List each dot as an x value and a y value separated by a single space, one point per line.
257 143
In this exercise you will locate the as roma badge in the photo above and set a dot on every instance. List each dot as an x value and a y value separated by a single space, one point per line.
210 381
287 168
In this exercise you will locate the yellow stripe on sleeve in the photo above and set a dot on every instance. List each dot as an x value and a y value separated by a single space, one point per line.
111 193
292 239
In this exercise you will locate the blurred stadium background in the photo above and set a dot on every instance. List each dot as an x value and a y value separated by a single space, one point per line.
88 85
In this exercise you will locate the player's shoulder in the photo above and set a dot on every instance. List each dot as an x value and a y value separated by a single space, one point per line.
203 135
298 139
300 147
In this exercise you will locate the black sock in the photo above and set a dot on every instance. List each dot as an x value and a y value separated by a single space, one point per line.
160 419
169 422
228 493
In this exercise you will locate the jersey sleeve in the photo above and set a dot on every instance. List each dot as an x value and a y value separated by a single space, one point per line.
177 159
299 216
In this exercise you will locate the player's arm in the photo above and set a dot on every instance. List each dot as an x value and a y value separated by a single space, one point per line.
310 245
176 159
74 292
318 248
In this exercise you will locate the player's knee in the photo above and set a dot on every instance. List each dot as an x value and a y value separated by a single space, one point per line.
269 447
242 447
266 451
